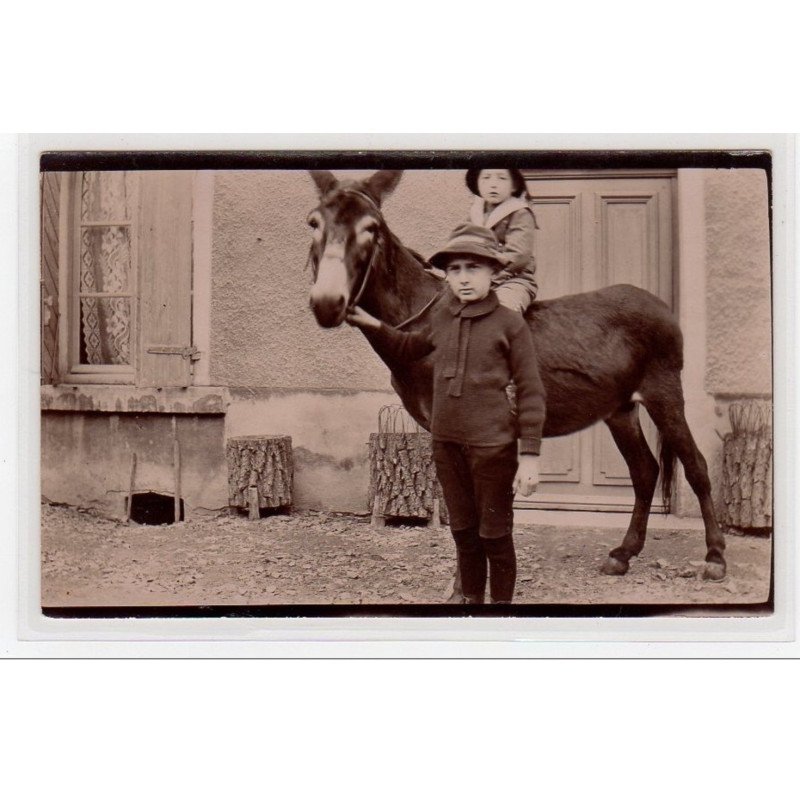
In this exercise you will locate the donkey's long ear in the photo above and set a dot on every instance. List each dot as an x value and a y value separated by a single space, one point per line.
383 183
324 180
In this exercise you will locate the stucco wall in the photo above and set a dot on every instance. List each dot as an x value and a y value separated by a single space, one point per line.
323 388
738 283
724 307
329 429
86 459
262 332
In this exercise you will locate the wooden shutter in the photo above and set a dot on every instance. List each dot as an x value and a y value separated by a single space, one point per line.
50 201
165 288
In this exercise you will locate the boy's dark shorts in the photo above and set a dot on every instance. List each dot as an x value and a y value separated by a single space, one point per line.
477 483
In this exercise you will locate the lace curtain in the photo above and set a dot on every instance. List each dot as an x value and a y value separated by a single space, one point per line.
105 268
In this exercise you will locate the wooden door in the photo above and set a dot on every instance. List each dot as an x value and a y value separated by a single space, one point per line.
598 229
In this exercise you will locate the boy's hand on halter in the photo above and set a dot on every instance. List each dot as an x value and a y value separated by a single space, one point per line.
361 319
527 477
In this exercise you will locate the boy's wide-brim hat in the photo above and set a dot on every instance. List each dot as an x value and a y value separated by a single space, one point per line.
470 240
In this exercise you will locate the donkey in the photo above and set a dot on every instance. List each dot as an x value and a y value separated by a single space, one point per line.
600 352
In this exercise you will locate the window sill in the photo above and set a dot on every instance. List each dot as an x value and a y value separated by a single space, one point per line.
133 400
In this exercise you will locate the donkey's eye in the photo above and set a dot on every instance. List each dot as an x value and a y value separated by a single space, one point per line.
366 229
313 220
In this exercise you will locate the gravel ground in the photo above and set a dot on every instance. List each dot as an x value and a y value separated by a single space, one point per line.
318 558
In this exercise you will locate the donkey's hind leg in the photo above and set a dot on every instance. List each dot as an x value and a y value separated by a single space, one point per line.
627 432
663 399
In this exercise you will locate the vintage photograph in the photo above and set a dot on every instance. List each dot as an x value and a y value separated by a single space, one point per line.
428 384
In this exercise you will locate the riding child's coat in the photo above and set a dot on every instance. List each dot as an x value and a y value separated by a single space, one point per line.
514 225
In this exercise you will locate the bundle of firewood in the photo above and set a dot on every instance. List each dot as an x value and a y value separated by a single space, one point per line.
260 471
747 466
402 478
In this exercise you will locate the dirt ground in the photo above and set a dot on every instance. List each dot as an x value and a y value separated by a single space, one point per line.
318 558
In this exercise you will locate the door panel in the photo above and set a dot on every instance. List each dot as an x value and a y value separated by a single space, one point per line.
595 231
558 245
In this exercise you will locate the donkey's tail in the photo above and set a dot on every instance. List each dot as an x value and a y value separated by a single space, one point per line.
666 459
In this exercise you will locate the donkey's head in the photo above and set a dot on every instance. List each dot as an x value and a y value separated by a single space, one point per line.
347 231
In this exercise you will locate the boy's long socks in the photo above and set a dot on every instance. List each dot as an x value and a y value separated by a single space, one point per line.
471 563
502 567
473 553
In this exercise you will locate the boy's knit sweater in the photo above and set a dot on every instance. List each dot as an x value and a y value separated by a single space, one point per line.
479 348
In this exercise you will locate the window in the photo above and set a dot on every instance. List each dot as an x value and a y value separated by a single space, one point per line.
124 247
104 277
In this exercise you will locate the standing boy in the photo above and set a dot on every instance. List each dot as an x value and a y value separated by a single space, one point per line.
484 451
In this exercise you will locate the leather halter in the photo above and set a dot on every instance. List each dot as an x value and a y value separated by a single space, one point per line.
368 272
415 316
375 249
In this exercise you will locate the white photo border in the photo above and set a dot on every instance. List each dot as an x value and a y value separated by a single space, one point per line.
35 634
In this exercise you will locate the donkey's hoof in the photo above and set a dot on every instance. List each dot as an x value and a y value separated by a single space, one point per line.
614 566
713 571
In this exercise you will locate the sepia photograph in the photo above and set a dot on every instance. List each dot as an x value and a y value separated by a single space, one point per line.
406 384
306 417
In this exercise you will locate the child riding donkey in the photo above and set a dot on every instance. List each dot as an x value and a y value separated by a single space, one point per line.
502 203
483 449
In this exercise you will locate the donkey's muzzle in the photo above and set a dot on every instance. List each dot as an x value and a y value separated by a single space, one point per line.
329 311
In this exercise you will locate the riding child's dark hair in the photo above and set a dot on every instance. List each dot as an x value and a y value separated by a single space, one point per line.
517 178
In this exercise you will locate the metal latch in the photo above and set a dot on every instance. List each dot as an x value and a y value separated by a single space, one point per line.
191 353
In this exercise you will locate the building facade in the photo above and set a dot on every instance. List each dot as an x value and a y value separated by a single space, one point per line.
175 309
